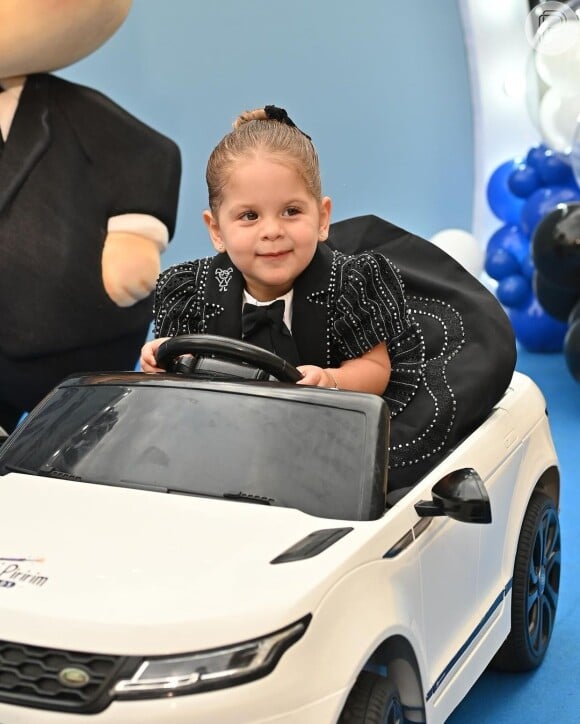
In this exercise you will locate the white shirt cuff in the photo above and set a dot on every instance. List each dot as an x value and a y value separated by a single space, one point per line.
142 225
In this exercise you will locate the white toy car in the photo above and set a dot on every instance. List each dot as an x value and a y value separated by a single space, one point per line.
181 549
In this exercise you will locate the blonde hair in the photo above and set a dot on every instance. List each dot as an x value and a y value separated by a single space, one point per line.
254 131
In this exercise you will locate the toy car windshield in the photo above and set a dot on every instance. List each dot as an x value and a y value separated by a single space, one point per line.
312 450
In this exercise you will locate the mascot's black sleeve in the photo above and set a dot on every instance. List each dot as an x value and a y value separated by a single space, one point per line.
135 164
469 345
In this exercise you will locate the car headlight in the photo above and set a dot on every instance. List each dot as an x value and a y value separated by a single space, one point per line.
214 669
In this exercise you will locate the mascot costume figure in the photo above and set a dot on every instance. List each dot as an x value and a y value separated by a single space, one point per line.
88 202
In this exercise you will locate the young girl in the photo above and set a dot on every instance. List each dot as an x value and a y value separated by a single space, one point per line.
345 321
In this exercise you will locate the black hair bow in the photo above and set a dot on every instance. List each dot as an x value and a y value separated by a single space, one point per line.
274 113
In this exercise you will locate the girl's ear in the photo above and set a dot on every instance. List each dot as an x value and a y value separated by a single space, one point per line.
325 212
214 231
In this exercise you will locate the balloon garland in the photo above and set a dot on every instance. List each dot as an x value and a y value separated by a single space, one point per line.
520 192
535 255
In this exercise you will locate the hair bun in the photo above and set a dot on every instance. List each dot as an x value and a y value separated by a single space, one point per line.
258 114
268 113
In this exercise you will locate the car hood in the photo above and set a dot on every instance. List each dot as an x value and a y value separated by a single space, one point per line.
99 568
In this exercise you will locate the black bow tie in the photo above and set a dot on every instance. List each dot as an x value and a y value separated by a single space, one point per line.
264 326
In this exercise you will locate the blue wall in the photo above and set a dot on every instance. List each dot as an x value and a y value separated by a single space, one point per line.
381 86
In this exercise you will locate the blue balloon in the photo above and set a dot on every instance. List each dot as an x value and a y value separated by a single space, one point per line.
536 155
510 238
536 330
541 202
514 291
524 180
528 268
501 264
504 204
554 171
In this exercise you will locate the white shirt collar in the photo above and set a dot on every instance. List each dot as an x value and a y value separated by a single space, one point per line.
9 102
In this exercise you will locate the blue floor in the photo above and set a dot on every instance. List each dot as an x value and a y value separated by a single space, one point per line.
552 693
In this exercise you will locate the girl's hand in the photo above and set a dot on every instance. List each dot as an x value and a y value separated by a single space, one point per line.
147 361
368 373
316 376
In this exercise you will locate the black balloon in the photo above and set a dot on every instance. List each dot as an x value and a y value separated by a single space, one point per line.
556 246
572 349
556 255
572 343
554 299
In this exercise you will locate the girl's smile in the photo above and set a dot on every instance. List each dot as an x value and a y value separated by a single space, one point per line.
273 254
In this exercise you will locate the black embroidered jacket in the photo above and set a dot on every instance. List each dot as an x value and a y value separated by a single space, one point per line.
343 306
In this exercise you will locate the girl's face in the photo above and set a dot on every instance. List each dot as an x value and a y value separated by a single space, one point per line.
269 224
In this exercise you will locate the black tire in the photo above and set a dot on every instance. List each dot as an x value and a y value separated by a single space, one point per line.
536 585
373 699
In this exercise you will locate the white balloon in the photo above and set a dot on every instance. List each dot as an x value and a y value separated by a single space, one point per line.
536 88
560 68
558 119
463 247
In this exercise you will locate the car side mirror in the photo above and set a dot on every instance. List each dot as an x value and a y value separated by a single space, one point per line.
460 495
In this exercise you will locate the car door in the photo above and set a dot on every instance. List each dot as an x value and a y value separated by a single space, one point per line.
449 560
461 563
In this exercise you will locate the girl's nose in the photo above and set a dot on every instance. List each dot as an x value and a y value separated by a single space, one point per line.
271 229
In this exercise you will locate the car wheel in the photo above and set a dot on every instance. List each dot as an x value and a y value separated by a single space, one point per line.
373 699
536 584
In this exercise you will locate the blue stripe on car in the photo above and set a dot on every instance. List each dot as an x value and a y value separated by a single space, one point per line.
443 675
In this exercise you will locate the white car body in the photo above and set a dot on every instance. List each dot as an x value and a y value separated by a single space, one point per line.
126 572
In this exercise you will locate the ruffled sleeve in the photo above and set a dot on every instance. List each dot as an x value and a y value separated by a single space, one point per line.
372 308
177 307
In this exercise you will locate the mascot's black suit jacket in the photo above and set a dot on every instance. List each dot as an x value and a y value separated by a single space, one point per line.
73 159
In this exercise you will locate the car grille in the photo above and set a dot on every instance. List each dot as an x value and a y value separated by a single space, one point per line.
36 677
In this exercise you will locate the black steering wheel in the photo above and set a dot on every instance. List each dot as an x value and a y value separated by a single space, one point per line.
208 349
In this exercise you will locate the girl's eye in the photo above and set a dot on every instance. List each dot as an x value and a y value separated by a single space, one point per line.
292 211
248 216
